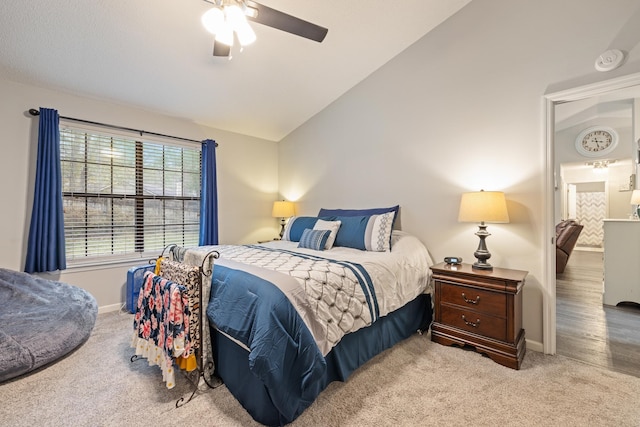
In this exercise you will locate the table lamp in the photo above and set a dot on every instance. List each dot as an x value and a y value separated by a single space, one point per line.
283 210
483 206
635 200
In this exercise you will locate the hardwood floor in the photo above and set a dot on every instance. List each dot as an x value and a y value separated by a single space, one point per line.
586 329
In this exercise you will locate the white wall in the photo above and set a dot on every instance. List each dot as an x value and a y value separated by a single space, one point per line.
247 177
461 110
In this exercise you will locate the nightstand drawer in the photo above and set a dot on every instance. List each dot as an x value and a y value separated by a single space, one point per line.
476 299
472 321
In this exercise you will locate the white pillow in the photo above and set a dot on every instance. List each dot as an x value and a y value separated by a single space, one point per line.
328 225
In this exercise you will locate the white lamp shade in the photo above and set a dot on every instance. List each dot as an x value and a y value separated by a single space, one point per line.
483 206
283 209
213 19
635 197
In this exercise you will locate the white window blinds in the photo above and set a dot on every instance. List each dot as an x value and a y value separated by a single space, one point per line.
126 195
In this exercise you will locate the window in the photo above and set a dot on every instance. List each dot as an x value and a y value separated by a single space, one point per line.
125 196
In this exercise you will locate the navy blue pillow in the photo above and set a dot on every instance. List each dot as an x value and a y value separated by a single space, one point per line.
296 226
352 231
358 212
365 232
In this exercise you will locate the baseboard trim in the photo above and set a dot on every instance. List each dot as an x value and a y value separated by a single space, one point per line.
534 346
110 308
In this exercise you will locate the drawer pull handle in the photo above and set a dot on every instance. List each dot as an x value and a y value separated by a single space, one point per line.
466 322
470 301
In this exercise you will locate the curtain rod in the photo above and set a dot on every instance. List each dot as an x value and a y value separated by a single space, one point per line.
35 112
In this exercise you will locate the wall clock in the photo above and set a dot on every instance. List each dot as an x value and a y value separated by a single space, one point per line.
596 141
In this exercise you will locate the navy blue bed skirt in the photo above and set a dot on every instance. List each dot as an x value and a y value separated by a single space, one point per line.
231 360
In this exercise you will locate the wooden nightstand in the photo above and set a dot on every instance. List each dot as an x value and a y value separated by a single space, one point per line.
481 309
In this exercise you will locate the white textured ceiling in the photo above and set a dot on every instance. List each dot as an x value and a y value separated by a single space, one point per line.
154 54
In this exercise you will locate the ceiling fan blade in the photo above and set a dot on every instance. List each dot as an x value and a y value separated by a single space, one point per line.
221 49
282 21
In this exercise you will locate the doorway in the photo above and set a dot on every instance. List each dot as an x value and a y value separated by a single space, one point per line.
622 88
591 210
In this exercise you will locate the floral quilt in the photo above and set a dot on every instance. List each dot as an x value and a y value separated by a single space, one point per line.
161 324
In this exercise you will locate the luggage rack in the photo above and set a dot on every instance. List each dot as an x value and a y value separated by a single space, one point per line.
203 366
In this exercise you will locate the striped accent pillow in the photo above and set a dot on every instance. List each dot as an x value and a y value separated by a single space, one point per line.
314 239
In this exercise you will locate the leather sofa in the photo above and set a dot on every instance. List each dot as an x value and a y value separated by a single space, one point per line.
567 233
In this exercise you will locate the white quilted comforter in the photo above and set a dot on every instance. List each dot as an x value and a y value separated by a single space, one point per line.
327 294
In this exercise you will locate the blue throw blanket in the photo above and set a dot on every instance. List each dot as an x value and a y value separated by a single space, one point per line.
282 351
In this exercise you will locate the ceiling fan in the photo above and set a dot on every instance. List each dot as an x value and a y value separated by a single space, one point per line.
227 20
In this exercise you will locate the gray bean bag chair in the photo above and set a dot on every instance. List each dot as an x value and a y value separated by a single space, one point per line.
40 321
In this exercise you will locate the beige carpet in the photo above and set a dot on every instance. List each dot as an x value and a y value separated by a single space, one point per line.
415 383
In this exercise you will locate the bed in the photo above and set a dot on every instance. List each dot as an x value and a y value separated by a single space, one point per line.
288 317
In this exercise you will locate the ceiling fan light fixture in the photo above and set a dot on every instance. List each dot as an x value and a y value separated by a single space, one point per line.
234 24
245 34
234 14
236 19
250 11
213 20
225 34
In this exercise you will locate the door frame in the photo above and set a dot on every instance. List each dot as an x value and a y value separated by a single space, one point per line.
550 101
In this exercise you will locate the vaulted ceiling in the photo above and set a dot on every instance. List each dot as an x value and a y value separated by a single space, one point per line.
155 55
616 104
